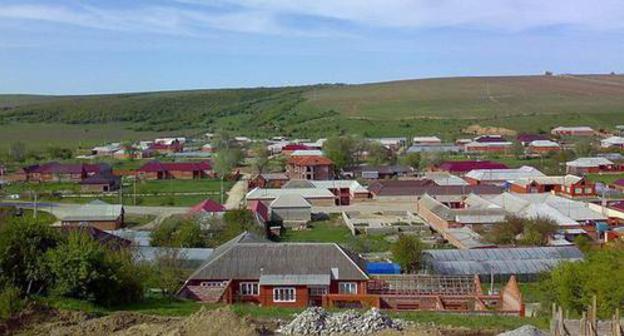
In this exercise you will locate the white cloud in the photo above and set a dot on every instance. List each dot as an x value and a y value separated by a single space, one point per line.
199 17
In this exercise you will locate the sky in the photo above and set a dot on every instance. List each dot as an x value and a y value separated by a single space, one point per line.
107 46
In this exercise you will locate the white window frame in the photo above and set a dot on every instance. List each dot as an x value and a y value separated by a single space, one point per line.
351 288
284 294
248 289
211 283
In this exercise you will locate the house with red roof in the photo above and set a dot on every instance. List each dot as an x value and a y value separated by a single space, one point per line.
156 170
619 185
290 148
207 206
460 168
60 172
168 147
313 167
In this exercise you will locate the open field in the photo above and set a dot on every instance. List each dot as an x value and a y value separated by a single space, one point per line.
429 106
39 136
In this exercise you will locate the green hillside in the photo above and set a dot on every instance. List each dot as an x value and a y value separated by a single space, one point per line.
443 106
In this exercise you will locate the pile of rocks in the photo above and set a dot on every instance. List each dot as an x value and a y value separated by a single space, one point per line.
525 330
317 321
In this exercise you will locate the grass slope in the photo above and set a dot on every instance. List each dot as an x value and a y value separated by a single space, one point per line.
442 106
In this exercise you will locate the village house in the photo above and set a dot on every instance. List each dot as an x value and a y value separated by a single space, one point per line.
411 190
98 214
106 150
460 168
378 172
488 144
155 170
255 270
207 207
591 165
291 210
290 148
268 180
582 131
393 144
315 196
525 139
249 269
100 183
60 172
426 140
174 146
500 176
307 152
310 168
435 148
618 185
612 142
345 192
543 147
568 185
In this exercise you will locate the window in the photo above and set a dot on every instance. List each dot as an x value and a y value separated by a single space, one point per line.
248 288
318 291
212 284
347 288
588 190
578 190
284 294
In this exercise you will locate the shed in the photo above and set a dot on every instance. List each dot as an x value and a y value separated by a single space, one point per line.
526 262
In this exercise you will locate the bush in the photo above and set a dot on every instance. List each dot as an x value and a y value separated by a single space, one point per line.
11 302
573 285
406 252
179 232
23 246
84 269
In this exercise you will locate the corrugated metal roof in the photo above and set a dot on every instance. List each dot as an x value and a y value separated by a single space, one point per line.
528 260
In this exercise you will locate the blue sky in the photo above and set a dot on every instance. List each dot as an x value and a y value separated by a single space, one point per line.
103 46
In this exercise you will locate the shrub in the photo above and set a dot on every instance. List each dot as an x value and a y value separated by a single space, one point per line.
11 302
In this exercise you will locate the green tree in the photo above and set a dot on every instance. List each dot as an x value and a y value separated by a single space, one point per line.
224 162
344 151
406 251
573 284
537 231
236 222
378 154
167 272
82 268
60 153
24 243
179 232
261 158
411 160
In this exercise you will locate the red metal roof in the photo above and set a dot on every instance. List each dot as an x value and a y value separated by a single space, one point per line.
619 182
294 147
312 160
68 168
260 209
156 166
466 166
207 206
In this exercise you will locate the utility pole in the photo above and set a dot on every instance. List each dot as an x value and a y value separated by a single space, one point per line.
35 206
221 189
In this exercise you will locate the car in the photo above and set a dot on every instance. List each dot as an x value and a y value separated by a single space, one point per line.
14 196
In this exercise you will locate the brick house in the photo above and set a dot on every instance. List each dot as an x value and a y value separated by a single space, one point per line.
255 270
543 146
167 147
568 185
60 172
100 183
310 168
584 131
155 170
591 165
268 180
97 214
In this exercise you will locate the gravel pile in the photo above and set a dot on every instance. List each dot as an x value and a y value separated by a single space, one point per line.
316 321
525 330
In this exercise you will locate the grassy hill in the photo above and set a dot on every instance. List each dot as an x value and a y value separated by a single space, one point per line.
443 106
